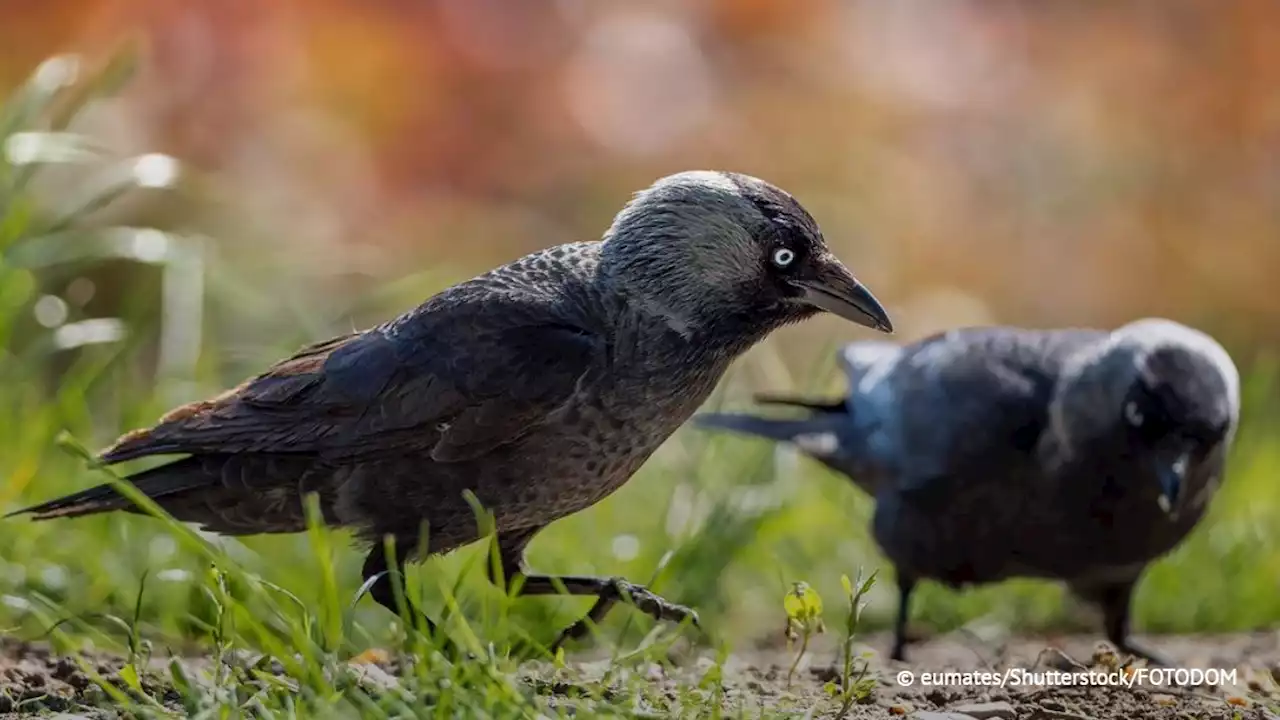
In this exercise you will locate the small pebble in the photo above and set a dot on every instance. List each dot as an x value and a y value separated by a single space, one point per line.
64 668
939 697
985 710
78 680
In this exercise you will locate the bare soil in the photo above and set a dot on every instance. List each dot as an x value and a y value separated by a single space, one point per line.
34 680
1255 693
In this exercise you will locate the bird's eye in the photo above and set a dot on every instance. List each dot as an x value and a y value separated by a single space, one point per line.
1132 414
783 257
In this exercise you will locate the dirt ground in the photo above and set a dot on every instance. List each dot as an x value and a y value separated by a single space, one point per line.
34 680
1255 693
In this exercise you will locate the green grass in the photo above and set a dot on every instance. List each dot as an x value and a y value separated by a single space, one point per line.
720 523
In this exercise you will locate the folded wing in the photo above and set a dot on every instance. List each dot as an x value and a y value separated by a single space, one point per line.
456 386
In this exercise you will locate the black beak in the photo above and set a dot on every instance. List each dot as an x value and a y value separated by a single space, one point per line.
837 291
1172 473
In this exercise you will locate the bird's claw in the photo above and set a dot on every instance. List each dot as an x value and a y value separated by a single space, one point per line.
656 606
644 599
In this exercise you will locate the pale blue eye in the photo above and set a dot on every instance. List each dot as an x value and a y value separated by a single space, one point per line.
783 257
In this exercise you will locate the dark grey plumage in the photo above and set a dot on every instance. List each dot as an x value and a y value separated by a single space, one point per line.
993 453
540 386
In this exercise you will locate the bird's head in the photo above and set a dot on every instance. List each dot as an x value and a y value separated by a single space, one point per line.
1170 394
724 252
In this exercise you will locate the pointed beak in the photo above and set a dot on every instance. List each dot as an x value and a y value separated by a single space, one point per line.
834 289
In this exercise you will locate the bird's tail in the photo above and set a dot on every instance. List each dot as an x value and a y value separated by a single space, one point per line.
157 483
817 435
822 436
816 405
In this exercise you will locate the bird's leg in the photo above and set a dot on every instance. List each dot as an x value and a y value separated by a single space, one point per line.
906 584
511 546
1115 599
383 578
607 591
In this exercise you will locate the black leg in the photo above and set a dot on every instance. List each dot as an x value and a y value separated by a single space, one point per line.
607 591
906 584
382 578
511 546
1116 599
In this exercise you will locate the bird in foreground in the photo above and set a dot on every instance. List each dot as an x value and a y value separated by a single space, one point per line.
540 387
992 453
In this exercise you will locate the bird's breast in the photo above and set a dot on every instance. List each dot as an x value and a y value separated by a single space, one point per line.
608 431
651 384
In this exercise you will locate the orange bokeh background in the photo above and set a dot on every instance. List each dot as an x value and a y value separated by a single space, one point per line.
1034 163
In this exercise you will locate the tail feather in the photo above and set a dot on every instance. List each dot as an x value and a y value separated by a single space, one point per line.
156 483
817 436
822 437
816 405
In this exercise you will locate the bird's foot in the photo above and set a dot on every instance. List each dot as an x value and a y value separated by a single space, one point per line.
647 601
613 589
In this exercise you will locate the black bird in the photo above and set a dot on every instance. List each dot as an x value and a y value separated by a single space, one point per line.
540 386
992 453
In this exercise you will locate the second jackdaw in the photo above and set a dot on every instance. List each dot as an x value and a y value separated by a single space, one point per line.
540 386
993 453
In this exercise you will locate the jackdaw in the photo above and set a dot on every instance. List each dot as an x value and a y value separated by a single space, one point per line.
540 386
1080 455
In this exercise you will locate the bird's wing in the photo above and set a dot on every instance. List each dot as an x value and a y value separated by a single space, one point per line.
455 381
857 359
970 406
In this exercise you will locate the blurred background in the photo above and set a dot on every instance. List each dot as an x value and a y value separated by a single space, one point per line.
300 168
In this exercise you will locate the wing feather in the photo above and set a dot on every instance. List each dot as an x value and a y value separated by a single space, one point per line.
455 383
